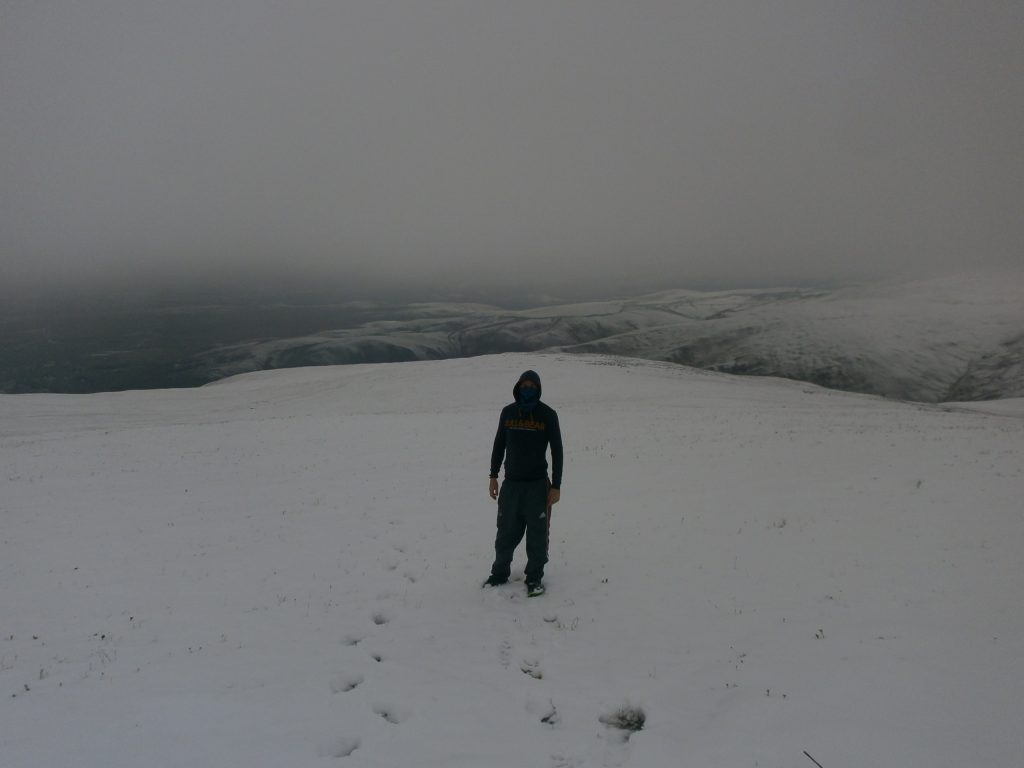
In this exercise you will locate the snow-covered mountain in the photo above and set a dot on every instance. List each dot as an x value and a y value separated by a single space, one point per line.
931 341
283 569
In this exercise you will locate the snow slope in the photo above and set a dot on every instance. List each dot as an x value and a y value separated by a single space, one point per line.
932 340
283 569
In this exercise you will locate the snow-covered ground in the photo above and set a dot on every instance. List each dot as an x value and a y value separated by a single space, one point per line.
283 569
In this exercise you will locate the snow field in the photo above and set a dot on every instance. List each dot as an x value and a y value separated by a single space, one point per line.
284 569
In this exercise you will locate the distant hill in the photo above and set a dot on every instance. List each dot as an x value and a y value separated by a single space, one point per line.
931 341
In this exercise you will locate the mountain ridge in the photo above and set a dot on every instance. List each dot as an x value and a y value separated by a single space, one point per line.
932 340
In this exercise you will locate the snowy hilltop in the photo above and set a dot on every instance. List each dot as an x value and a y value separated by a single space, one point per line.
948 339
283 569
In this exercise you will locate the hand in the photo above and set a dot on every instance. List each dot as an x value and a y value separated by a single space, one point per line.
553 496
493 488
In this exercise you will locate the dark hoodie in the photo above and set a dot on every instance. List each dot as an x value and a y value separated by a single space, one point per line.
524 434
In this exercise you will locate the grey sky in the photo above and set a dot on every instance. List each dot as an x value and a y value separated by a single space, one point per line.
484 141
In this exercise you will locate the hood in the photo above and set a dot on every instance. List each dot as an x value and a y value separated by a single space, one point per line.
532 376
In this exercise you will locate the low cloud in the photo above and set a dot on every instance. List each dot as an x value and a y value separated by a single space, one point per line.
547 146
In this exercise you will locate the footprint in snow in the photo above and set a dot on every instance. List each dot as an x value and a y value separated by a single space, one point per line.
353 638
546 711
345 683
532 668
338 748
505 653
563 761
391 713
381 618
551 717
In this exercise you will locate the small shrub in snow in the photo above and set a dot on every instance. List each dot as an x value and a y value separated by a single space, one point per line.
626 718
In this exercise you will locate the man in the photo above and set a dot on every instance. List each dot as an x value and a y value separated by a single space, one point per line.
526 428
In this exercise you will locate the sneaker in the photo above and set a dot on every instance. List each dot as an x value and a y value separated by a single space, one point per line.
534 589
494 581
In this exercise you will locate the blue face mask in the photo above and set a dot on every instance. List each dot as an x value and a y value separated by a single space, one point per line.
527 395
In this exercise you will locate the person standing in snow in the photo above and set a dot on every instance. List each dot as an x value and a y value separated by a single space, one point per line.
525 430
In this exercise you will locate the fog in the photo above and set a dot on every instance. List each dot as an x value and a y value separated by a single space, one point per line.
553 147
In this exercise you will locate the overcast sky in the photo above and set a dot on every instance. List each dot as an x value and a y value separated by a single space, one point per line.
553 142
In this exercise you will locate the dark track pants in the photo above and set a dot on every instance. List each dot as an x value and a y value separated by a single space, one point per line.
522 508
